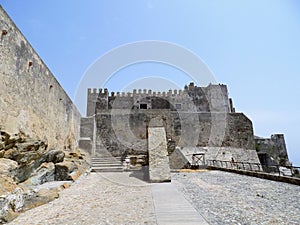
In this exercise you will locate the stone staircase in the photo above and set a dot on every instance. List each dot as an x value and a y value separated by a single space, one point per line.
103 161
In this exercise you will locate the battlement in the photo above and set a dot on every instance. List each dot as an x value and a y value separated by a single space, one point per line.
139 92
214 97
150 93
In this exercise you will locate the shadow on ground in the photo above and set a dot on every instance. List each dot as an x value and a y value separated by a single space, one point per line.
142 174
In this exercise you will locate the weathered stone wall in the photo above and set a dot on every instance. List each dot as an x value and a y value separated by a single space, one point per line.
120 130
213 98
32 101
222 154
272 150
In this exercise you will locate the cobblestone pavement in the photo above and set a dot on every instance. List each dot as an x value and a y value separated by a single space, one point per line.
227 198
109 198
123 198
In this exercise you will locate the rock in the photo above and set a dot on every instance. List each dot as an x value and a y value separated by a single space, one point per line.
11 204
8 216
63 169
43 196
66 185
7 185
8 167
55 156
32 145
2 145
4 136
26 170
27 158
11 154
44 173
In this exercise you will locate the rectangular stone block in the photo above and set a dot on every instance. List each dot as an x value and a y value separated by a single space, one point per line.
159 168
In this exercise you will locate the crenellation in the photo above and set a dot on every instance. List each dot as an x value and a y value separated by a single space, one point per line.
106 93
201 97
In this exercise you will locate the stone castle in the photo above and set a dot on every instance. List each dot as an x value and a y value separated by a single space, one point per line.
44 138
196 120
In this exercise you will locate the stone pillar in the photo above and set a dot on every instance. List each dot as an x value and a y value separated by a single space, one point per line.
159 168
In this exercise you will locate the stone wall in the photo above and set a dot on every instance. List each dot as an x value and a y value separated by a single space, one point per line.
120 130
213 98
222 154
32 101
272 150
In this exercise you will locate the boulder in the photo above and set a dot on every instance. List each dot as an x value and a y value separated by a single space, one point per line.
25 171
4 136
43 196
63 170
55 156
31 145
44 173
8 167
7 185
11 153
11 204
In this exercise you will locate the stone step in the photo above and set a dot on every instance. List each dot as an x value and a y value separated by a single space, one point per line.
105 160
106 164
104 169
107 169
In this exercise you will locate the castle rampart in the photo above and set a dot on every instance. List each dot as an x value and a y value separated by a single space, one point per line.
32 101
213 98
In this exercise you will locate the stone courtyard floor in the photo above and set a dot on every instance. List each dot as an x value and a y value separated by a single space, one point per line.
208 197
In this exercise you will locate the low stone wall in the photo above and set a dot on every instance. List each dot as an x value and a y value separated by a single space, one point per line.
32 101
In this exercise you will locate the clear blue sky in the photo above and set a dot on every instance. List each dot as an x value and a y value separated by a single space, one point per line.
252 46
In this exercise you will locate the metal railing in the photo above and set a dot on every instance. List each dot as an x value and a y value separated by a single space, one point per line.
235 165
291 171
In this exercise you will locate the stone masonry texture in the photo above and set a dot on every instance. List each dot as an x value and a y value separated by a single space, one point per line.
32 101
159 170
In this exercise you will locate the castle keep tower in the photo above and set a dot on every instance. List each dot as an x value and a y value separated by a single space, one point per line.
195 119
